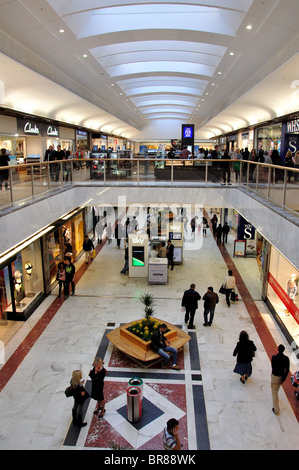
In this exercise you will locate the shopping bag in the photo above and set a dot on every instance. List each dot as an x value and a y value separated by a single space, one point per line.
222 290
234 296
93 253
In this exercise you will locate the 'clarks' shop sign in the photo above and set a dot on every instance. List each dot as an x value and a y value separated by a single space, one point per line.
34 128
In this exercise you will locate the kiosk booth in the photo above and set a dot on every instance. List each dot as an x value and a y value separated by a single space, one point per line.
138 255
175 232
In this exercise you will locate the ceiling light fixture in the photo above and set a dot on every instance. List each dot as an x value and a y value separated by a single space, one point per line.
61 30
249 27
84 55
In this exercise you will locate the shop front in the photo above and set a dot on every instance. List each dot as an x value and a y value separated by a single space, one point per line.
290 137
66 240
282 295
21 279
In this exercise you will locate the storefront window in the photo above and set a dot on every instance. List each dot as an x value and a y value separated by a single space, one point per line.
5 293
269 138
54 254
78 233
27 280
283 292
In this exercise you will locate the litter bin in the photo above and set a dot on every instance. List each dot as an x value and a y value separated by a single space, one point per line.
134 404
136 382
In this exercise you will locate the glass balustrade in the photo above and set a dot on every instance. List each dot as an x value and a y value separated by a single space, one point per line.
279 185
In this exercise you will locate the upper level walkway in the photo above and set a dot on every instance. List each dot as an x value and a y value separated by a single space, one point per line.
278 186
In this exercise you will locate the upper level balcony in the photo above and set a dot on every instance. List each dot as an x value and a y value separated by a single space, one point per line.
274 186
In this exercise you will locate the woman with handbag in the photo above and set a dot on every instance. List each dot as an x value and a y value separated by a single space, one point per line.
230 284
245 351
80 396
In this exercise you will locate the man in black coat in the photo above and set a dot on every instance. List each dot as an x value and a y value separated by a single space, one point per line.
280 370
169 253
190 302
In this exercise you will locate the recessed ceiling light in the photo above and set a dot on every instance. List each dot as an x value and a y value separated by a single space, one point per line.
213 84
231 53
112 84
84 55
61 30
249 26
219 73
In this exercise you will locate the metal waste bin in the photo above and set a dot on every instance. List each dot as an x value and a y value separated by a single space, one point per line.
134 404
136 382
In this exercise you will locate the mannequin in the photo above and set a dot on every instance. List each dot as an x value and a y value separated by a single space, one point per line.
292 288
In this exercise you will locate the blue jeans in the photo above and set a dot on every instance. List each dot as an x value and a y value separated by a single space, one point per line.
163 353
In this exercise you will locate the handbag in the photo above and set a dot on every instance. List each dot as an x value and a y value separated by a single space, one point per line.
69 392
222 289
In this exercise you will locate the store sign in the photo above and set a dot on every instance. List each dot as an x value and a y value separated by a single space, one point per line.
52 131
293 126
281 293
138 241
175 228
31 128
34 128
245 136
188 132
246 231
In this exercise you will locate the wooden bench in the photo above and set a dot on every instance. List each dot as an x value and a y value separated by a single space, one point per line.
135 347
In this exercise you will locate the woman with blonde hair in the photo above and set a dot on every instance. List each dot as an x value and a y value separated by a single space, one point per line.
97 375
80 395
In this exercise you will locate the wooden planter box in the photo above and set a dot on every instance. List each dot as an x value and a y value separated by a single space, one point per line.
135 347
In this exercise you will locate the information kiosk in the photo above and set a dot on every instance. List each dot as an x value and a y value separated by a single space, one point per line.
138 255
176 235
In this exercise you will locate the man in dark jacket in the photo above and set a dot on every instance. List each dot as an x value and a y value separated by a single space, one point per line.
210 300
280 369
88 246
190 302
169 253
161 346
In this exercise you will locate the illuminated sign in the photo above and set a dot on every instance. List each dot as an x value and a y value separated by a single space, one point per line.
188 132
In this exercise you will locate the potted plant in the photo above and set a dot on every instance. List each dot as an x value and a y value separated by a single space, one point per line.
148 301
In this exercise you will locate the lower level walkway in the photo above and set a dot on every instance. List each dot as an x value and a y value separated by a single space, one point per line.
215 410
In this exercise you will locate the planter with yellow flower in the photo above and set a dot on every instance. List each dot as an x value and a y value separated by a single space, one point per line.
134 338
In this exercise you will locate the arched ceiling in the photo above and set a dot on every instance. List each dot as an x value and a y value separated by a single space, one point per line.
141 69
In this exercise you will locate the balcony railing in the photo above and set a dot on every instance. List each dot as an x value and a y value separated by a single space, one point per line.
277 184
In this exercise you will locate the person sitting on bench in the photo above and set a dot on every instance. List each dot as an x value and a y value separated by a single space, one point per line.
161 346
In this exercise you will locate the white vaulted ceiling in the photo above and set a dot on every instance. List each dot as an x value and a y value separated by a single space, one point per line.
141 69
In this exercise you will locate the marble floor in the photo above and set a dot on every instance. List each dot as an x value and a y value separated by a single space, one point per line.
215 410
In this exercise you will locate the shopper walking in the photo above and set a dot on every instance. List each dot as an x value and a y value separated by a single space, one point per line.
219 234
210 300
190 303
245 351
69 277
87 248
280 370
61 276
97 375
229 285
169 254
